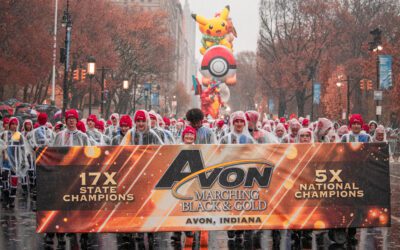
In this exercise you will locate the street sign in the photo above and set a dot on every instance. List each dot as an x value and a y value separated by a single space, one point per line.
378 95
378 110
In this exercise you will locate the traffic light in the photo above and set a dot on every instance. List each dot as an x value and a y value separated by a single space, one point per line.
83 74
76 75
369 85
376 44
362 85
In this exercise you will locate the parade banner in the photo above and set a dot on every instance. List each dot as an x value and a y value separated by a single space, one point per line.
317 93
212 187
385 71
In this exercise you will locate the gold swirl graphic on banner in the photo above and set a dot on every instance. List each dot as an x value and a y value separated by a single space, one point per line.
222 165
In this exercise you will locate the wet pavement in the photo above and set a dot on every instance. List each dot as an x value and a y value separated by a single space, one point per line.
18 232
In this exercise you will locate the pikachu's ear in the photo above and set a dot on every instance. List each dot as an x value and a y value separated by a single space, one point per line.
200 19
225 13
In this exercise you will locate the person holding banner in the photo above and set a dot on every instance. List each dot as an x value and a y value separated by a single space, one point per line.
239 130
280 132
141 134
204 135
260 135
380 135
70 136
168 137
323 126
343 130
189 135
355 135
154 125
305 135
239 134
39 137
97 137
294 127
112 130
372 126
125 124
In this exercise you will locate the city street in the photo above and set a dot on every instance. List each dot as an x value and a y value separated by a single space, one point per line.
18 232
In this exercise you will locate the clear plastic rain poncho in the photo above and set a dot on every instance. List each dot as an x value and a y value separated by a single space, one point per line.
71 138
333 136
238 137
96 137
41 136
379 134
343 130
15 155
279 132
168 136
205 136
371 129
24 129
259 135
139 136
155 125
322 129
294 127
179 128
112 130
305 135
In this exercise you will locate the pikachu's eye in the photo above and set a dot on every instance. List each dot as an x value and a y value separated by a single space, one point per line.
211 27
223 24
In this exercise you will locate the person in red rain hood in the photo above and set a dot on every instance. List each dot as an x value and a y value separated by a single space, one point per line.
365 128
355 123
142 133
305 123
96 136
72 136
112 130
100 126
220 131
81 126
189 135
15 163
6 122
125 124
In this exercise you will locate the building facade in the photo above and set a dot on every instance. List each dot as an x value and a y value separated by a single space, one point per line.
181 28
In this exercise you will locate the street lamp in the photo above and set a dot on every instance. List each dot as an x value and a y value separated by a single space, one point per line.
134 90
125 84
376 46
67 23
91 71
339 84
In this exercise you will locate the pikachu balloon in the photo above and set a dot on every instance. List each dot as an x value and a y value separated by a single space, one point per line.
215 30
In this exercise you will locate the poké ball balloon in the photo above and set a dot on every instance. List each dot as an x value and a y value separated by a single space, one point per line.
218 64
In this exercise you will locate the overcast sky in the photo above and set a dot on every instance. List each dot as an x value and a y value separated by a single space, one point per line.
244 14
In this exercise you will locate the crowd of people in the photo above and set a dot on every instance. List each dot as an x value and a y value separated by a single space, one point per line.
19 141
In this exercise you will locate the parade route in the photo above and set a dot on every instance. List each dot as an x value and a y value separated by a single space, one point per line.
18 232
